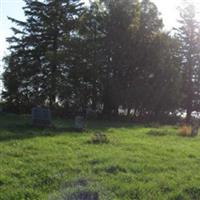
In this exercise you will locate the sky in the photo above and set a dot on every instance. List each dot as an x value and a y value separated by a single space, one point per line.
13 8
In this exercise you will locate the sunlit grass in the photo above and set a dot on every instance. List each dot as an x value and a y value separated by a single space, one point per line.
57 164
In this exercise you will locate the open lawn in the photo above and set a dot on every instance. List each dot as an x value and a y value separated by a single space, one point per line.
60 164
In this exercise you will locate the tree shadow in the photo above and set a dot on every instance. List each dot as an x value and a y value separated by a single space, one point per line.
14 127
27 131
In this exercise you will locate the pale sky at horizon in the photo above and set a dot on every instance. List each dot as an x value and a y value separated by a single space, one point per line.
13 8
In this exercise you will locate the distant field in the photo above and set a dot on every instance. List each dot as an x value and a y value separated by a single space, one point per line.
55 164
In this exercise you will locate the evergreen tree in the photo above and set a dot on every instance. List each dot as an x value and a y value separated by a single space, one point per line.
117 40
86 74
107 55
43 45
188 35
145 29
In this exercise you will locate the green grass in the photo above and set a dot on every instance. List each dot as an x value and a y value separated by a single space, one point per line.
137 163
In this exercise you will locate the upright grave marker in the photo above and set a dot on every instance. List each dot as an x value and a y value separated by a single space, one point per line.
41 116
79 123
195 129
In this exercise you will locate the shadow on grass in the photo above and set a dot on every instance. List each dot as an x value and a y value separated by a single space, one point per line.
26 131
14 127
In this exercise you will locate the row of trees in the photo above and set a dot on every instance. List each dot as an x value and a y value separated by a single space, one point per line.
111 54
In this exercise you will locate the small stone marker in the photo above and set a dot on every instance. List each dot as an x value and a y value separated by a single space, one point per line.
79 123
41 116
195 129
91 114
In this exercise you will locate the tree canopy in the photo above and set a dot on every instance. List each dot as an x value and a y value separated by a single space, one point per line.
107 56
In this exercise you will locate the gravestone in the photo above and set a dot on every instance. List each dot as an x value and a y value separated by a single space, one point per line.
195 129
41 116
79 123
91 114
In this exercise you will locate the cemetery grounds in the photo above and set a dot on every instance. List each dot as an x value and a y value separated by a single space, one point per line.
136 162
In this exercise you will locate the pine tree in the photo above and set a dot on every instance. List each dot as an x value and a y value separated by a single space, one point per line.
117 40
86 75
188 35
43 45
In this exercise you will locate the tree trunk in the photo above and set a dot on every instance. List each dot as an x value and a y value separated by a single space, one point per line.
128 113
52 101
115 111
189 93
188 117
107 109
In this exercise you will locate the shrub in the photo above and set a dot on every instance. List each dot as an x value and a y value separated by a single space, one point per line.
185 131
99 138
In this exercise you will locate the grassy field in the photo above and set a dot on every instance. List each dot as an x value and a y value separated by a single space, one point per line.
58 164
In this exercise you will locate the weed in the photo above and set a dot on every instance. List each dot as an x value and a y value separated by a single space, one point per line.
185 131
99 138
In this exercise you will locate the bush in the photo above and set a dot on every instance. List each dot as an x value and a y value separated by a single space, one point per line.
99 138
185 131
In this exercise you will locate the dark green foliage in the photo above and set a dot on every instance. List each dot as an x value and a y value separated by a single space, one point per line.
37 69
104 56
188 35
